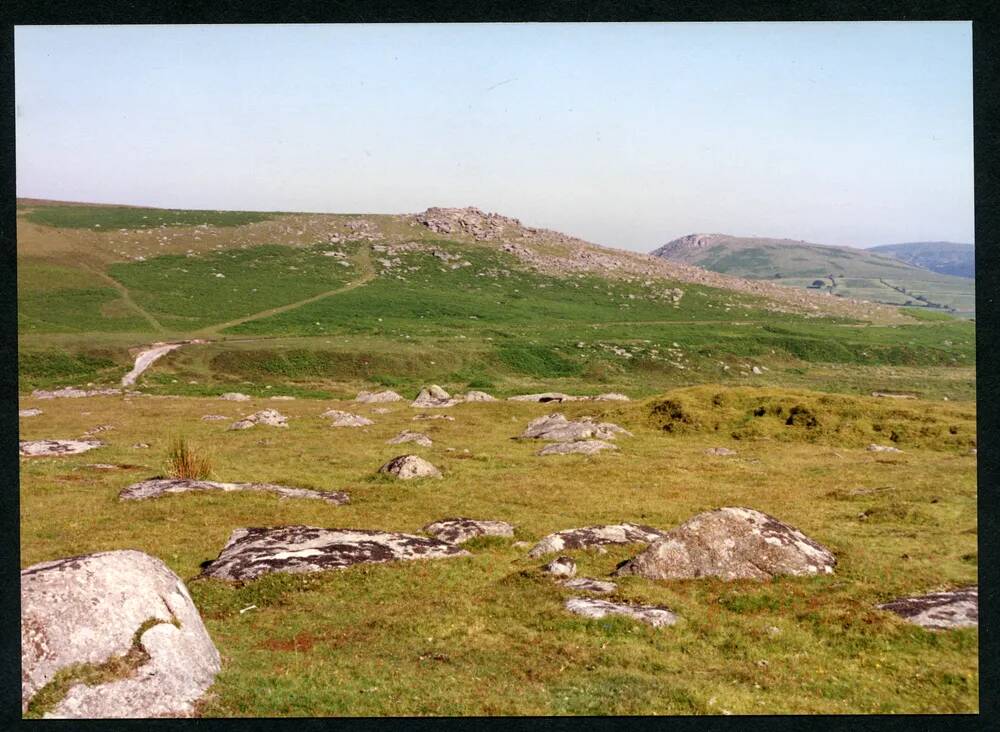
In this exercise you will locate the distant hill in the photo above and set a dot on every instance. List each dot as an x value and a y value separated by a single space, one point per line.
944 257
858 273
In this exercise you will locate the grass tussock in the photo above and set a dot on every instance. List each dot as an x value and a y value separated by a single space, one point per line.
184 461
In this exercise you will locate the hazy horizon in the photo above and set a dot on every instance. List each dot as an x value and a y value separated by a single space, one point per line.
627 135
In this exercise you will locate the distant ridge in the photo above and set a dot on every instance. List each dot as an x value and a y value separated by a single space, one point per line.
944 257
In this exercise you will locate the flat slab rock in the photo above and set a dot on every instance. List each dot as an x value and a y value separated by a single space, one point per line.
163 486
589 584
377 397
71 392
649 614
408 436
345 419
731 543
213 417
49 448
28 412
421 417
234 396
557 428
406 467
589 536
882 448
580 447
720 452
270 417
460 530
86 610
939 610
253 552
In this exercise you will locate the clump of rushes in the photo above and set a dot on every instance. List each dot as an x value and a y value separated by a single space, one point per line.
185 462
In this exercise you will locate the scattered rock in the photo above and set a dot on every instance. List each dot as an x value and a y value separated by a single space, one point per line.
882 448
434 416
460 530
408 436
589 584
731 543
887 395
583 447
235 396
46 448
140 446
345 419
162 486
281 398
99 429
86 610
406 467
252 552
434 397
479 396
71 392
557 428
28 412
720 452
611 397
561 567
270 417
371 397
102 466
548 396
940 610
213 417
594 536
590 608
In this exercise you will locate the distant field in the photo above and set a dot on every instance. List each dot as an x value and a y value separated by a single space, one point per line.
111 217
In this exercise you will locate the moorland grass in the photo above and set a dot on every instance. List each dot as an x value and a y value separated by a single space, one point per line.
487 634
126 217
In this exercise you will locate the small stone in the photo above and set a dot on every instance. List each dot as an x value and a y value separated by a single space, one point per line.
589 584
561 567
233 396
345 419
408 436
406 467
591 608
882 448
28 412
720 452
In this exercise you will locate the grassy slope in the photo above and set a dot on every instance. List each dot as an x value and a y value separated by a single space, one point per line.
858 273
487 634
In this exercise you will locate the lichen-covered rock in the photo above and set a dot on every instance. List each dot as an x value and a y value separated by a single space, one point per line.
595 536
163 486
253 552
86 610
270 417
49 448
479 396
28 412
939 610
731 543
434 397
650 614
720 452
882 448
345 419
459 530
408 436
544 397
373 397
589 584
581 447
557 428
406 467
561 567
235 396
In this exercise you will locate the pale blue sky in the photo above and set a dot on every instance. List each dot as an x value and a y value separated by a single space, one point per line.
628 135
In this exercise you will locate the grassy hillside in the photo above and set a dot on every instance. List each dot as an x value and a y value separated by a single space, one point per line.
864 274
943 257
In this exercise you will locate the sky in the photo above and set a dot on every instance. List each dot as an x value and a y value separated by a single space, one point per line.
627 135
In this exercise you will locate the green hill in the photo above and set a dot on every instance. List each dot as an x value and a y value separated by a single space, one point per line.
842 271
331 303
943 257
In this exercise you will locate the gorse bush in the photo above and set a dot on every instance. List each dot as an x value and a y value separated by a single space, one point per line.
185 462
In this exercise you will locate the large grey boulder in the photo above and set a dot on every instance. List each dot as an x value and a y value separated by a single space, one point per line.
406 467
580 447
731 543
87 610
51 448
591 536
377 397
459 530
939 610
345 419
253 552
593 608
270 417
557 428
408 436
433 396
163 486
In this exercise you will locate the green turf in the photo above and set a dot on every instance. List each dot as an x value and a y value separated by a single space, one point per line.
115 217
